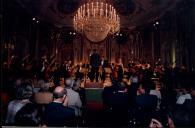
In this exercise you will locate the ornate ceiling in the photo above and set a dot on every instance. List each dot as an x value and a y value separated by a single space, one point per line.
132 12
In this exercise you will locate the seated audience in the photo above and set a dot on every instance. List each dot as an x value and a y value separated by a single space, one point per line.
23 95
56 114
132 93
193 93
145 106
134 78
43 96
116 104
186 95
40 83
130 98
154 91
107 95
77 87
162 117
27 116
157 124
183 114
74 100
119 99
144 99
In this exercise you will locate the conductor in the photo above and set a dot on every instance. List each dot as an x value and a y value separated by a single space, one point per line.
95 63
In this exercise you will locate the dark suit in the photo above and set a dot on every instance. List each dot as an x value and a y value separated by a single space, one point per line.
116 106
120 73
58 115
95 63
95 60
145 107
147 101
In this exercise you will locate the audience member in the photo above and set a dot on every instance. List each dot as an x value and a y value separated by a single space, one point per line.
77 87
74 100
145 106
43 96
154 91
116 104
56 114
186 95
134 78
143 98
27 116
23 95
183 114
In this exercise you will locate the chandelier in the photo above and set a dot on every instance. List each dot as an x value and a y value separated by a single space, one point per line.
96 20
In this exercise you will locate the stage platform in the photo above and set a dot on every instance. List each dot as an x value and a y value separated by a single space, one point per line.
94 95
93 85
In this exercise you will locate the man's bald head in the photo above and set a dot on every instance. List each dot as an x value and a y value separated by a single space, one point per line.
59 92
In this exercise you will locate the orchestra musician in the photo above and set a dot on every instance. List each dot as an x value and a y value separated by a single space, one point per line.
102 69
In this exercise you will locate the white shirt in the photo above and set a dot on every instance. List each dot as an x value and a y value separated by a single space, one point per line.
156 93
102 62
134 79
182 98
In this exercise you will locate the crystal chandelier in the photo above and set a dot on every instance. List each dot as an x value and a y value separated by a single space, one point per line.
96 20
